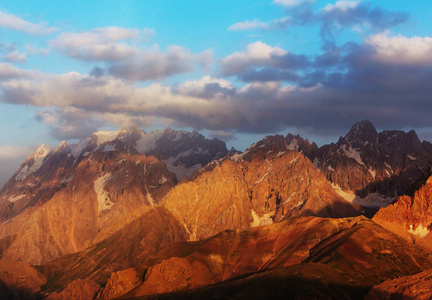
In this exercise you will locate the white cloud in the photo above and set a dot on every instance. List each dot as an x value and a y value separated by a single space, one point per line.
248 25
9 71
292 2
401 50
153 64
341 5
13 22
15 56
101 44
255 54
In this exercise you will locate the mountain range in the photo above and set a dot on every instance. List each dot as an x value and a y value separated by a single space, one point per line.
130 215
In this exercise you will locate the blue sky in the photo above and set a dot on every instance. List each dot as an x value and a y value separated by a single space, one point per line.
237 70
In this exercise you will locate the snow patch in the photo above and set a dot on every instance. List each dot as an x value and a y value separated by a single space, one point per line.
106 136
104 202
38 160
13 199
78 148
420 230
260 221
147 142
109 148
237 157
412 157
316 162
280 153
163 180
293 145
353 153
371 200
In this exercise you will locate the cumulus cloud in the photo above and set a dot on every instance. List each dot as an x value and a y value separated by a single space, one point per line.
259 54
9 71
247 25
401 50
155 64
68 122
292 2
100 44
117 48
346 83
344 14
10 21
15 56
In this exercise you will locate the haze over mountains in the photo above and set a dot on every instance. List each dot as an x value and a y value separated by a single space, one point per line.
129 214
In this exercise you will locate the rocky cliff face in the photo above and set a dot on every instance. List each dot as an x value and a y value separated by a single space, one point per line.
41 175
109 188
306 256
410 217
260 188
46 171
418 286
365 167
366 162
183 152
130 246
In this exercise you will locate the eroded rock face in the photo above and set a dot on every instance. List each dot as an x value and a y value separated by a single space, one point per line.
79 289
130 246
47 171
260 189
418 286
348 255
364 166
365 161
108 190
19 280
41 175
410 217
120 283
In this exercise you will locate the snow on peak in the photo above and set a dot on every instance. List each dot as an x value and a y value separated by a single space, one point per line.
38 158
106 136
62 146
78 148
41 151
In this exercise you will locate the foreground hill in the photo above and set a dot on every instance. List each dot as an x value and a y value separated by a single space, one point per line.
299 256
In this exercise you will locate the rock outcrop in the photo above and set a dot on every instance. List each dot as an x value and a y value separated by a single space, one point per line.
330 257
410 216
418 286
259 189
108 190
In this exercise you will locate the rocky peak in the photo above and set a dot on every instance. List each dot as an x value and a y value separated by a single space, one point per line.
361 134
130 135
41 151
62 146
